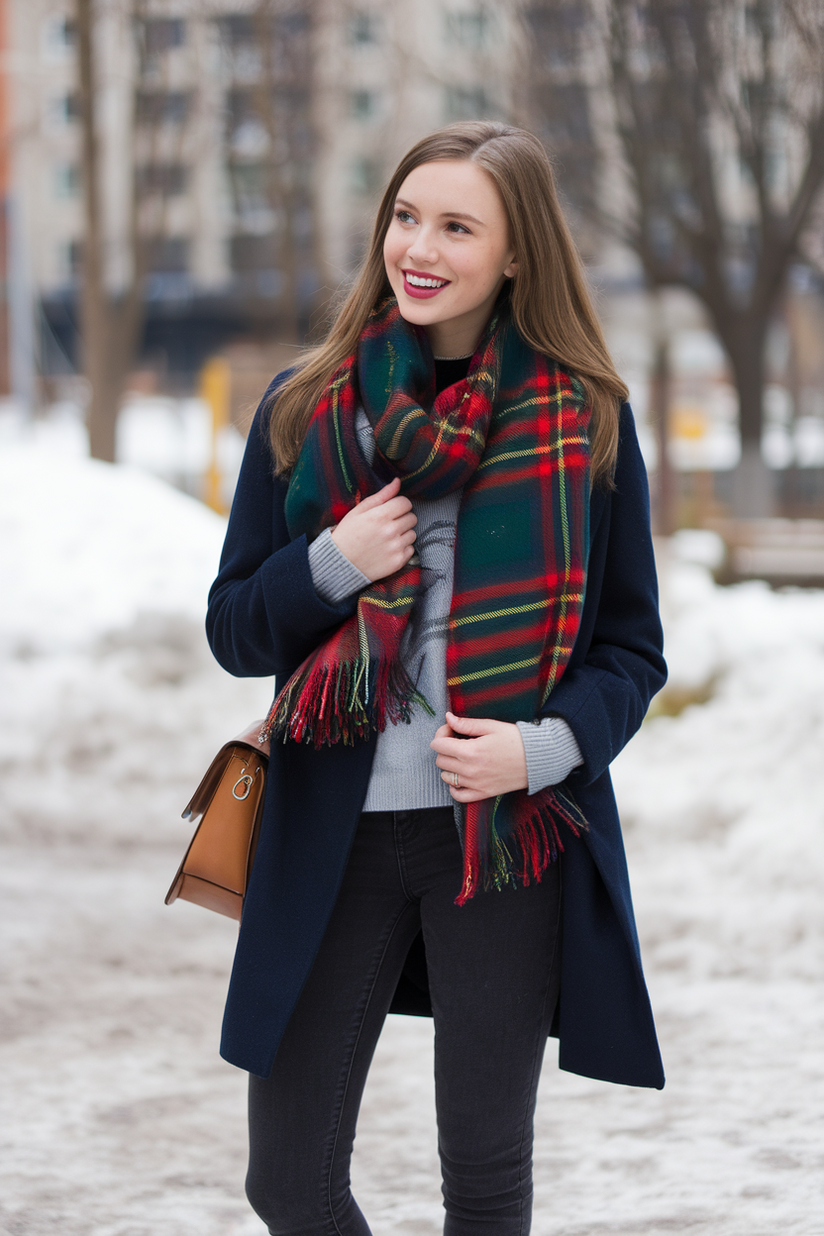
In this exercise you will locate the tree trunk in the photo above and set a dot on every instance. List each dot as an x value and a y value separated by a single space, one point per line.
102 414
666 516
753 483
753 487
110 324
281 188
691 94
94 311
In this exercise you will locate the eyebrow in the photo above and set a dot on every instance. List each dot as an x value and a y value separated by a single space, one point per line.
447 214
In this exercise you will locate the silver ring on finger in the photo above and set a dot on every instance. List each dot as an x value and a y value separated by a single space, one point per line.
456 781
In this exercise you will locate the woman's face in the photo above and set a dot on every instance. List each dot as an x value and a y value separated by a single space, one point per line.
447 252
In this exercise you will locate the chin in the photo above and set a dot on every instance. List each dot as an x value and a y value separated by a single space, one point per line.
414 313
419 315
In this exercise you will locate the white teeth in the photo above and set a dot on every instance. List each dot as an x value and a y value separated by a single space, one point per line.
418 282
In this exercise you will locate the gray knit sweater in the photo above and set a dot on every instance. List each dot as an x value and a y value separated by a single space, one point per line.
404 773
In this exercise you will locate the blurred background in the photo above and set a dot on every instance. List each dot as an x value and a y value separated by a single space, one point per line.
185 186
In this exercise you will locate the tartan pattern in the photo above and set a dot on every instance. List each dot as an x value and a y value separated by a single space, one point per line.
513 435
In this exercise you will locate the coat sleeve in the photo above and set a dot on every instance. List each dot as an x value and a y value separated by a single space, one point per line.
264 615
617 665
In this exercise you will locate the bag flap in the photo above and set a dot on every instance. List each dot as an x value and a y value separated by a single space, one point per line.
211 778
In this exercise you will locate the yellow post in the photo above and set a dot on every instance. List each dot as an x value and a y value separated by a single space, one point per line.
215 378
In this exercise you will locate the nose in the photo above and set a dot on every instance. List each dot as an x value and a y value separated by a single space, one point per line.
423 248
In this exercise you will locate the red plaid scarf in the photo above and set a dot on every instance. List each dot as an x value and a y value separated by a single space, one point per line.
513 437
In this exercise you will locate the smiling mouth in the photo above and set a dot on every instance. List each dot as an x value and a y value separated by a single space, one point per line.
424 281
422 285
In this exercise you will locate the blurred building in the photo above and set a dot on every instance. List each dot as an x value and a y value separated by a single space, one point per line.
243 146
388 75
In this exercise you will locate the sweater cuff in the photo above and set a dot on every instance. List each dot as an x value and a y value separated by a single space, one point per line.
551 749
333 575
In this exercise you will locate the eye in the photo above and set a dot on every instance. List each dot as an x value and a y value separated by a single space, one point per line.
403 216
457 229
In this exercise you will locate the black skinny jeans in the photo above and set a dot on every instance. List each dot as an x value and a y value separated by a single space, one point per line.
493 972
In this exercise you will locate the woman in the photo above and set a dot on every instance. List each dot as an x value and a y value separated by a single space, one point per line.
440 545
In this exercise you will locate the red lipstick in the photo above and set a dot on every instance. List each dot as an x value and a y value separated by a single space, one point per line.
422 293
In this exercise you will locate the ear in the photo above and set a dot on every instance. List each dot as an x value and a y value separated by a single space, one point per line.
512 269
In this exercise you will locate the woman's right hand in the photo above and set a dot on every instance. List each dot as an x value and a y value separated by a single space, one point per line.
378 535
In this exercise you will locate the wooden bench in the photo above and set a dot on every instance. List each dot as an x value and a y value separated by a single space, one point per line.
781 551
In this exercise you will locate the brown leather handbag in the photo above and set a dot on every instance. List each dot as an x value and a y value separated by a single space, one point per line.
228 805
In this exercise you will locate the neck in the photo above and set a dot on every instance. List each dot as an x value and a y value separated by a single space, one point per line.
460 336
450 344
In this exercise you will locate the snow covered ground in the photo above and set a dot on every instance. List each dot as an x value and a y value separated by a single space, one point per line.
119 1119
169 438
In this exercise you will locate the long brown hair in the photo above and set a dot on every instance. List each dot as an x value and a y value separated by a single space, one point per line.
551 306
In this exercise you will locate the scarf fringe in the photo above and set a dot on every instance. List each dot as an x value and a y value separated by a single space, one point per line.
326 702
513 839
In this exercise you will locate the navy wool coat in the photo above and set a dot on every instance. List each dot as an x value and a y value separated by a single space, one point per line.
264 617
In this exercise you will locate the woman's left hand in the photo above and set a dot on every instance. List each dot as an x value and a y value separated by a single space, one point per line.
487 755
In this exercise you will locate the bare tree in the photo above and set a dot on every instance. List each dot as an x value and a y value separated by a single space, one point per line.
271 145
714 112
94 322
112 316
553 96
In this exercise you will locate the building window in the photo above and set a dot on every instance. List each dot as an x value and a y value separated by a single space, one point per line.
366 175
242 108
59 36
71 259
236 29
240 38
565 110
295 24
466 103
469 30
65 109
66 180
251 183
162 106
250 254
165 179
160 34
168 255
363 29
557 33
254 263
363 104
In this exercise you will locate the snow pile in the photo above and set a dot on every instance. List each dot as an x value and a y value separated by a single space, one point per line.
86 547
120 1117
723 809
735 784
106 680
173 439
